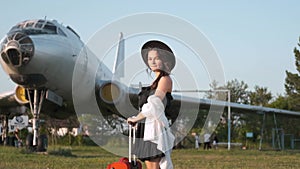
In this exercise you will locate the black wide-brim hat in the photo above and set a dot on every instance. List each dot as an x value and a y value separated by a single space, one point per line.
155 44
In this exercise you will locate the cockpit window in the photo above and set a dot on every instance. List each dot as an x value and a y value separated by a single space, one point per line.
29 24
50 28
36 27
61 32
39 24
72 30
21 25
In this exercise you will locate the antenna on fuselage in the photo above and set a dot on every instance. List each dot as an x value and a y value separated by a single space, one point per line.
118 68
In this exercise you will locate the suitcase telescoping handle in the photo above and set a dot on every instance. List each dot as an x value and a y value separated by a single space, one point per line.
131 141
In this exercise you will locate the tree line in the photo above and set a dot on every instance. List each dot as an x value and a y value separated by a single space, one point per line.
260 96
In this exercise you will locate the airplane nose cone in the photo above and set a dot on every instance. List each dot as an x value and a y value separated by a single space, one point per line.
17 49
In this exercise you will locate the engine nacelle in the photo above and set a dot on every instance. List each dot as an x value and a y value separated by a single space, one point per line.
110 92
20 95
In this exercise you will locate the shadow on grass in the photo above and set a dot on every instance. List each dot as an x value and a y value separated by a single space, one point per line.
66 152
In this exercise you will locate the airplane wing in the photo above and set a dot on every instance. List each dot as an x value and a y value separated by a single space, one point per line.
246 108
7 99
185 106
234 107
9 105
15 103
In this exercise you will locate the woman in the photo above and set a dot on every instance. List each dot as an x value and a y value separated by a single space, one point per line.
156 139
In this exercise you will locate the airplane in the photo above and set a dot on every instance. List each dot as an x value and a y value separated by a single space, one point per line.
39 56
57 75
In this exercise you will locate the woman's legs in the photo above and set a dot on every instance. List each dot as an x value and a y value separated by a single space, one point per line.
153 163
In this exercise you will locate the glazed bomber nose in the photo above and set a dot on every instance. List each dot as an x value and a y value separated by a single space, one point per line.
17 49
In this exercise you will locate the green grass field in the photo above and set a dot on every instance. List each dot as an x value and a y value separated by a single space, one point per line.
90 157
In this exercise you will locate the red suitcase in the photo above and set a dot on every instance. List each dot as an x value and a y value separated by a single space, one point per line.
125 163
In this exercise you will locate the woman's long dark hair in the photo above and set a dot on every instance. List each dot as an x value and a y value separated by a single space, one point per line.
155 83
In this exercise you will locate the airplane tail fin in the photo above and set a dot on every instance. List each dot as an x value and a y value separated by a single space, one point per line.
118 68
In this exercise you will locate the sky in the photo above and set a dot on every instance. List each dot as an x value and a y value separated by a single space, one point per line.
254 39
